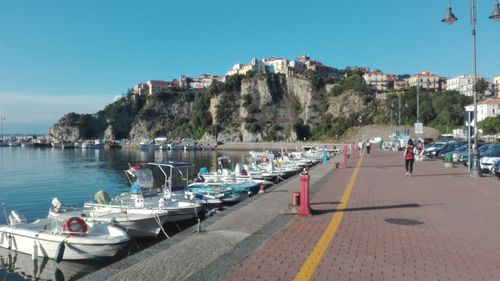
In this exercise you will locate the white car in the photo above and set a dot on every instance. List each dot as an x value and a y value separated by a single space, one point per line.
488 159
375 140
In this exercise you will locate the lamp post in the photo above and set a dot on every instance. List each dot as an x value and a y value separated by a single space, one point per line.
399 110
450 19
1 125
418 99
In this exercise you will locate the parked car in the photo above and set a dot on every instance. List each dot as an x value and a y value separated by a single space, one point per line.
489 158
428 141
455 155
463 157
496 169
449 147
432 149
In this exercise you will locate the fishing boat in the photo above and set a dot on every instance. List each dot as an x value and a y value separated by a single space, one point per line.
62 239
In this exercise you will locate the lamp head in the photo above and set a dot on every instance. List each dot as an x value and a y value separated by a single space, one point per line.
450 17
495 16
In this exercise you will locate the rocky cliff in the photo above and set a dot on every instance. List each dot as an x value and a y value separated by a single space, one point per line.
244 108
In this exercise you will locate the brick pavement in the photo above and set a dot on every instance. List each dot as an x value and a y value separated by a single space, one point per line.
439 224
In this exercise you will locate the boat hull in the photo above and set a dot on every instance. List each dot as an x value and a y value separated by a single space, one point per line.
25 238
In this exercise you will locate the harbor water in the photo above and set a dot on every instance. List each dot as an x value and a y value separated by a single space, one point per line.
31 177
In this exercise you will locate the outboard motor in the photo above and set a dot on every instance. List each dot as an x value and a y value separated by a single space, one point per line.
16 218
57 204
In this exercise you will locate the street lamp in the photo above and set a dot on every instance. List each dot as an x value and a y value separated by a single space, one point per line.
450 19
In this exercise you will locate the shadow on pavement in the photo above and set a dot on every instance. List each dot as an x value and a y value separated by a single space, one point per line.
319 212
321 203
437 175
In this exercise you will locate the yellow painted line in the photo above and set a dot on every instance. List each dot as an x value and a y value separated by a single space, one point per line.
312 262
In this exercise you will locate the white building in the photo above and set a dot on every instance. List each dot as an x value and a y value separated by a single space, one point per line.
255 66
141 89
463 84
157 86
485 108
376 80
427 81
496 83
276 65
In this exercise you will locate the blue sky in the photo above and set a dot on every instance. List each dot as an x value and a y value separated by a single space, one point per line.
59 56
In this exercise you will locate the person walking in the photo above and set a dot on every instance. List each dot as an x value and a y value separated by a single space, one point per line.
368 147
409 157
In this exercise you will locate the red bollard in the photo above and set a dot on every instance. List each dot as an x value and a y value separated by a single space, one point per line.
296 199
336 165
353 149
304 209
344 159
262 188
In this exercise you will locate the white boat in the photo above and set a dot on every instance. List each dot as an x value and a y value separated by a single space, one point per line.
147 144
144 222
70 239
14 143
144 208
240 173
169 194
20 266
92 144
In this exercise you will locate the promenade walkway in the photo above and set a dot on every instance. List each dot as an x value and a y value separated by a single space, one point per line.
374 223
369 222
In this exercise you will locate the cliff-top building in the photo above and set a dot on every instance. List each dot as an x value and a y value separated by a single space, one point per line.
157 86
463 84
255 66
496 84
427 81
284 66
151 87
376 81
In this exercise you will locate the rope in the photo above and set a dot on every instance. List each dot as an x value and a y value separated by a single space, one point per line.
158 221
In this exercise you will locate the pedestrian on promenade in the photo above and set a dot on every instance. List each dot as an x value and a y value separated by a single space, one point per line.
409 157
368 147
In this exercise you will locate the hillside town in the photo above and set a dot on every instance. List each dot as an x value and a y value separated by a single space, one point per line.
377 81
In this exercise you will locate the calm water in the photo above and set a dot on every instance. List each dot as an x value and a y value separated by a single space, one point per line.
31 177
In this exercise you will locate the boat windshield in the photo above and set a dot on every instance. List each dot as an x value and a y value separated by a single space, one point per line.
145 182
172 176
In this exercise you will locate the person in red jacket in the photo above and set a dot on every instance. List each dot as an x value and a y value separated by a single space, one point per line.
409 157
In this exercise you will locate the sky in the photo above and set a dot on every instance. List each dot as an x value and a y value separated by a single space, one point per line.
59 56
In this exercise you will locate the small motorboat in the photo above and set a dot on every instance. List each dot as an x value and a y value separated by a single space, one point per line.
68 239
144 209
20 266
139 222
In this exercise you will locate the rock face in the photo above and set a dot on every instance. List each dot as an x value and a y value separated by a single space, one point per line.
259 108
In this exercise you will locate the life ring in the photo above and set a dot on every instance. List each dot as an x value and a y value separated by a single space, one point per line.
75 226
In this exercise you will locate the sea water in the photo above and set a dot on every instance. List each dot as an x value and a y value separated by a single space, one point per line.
31 177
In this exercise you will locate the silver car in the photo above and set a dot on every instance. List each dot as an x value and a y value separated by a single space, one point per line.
489 158
463 157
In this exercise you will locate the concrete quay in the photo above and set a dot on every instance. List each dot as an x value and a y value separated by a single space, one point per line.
368 222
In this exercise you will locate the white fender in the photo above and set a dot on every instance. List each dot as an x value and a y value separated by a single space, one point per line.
1 238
